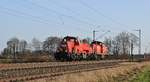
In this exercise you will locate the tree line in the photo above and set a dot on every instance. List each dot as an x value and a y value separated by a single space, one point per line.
16 46
120 44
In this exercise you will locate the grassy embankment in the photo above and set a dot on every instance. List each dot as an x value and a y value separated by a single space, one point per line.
143 76
125 72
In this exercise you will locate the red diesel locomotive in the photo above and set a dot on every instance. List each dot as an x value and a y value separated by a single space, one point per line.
71 48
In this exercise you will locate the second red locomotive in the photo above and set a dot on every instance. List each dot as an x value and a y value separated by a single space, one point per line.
71 48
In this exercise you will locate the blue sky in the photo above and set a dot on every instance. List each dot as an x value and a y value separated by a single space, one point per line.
26 19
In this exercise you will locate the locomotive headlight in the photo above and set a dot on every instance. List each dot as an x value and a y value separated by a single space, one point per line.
64 40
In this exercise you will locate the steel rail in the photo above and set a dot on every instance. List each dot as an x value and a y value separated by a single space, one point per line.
32 71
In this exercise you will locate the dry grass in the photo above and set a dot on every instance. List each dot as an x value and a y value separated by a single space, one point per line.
104 75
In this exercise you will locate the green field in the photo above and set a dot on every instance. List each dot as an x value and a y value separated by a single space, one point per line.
144 76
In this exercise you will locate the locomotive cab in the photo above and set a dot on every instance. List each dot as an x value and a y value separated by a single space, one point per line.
99 49
66 49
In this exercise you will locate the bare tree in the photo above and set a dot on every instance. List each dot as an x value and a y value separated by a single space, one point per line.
36 44
123 39
13 45
121 43
116 47
5 52
108 42
51 44
134 39
22 46
9 47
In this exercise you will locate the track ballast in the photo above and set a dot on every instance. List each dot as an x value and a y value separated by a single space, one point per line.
31 71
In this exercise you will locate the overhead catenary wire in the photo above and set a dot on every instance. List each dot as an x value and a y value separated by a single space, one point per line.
101 14
33 18
61 14
103 34
29 8
61 19
18 13
70 10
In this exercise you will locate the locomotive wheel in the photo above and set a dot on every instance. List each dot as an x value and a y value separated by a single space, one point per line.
57 56
99 57
73 57
62 56
79 57
90 57
84 56
95 57
68 57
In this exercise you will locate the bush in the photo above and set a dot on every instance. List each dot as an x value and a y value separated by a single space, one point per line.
23 57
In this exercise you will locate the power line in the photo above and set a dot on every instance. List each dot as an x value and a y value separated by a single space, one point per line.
33 18
18 13
103 34
100 13
68 9
59 13
25 14
59 17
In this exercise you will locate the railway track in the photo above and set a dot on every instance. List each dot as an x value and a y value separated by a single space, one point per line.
30 71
